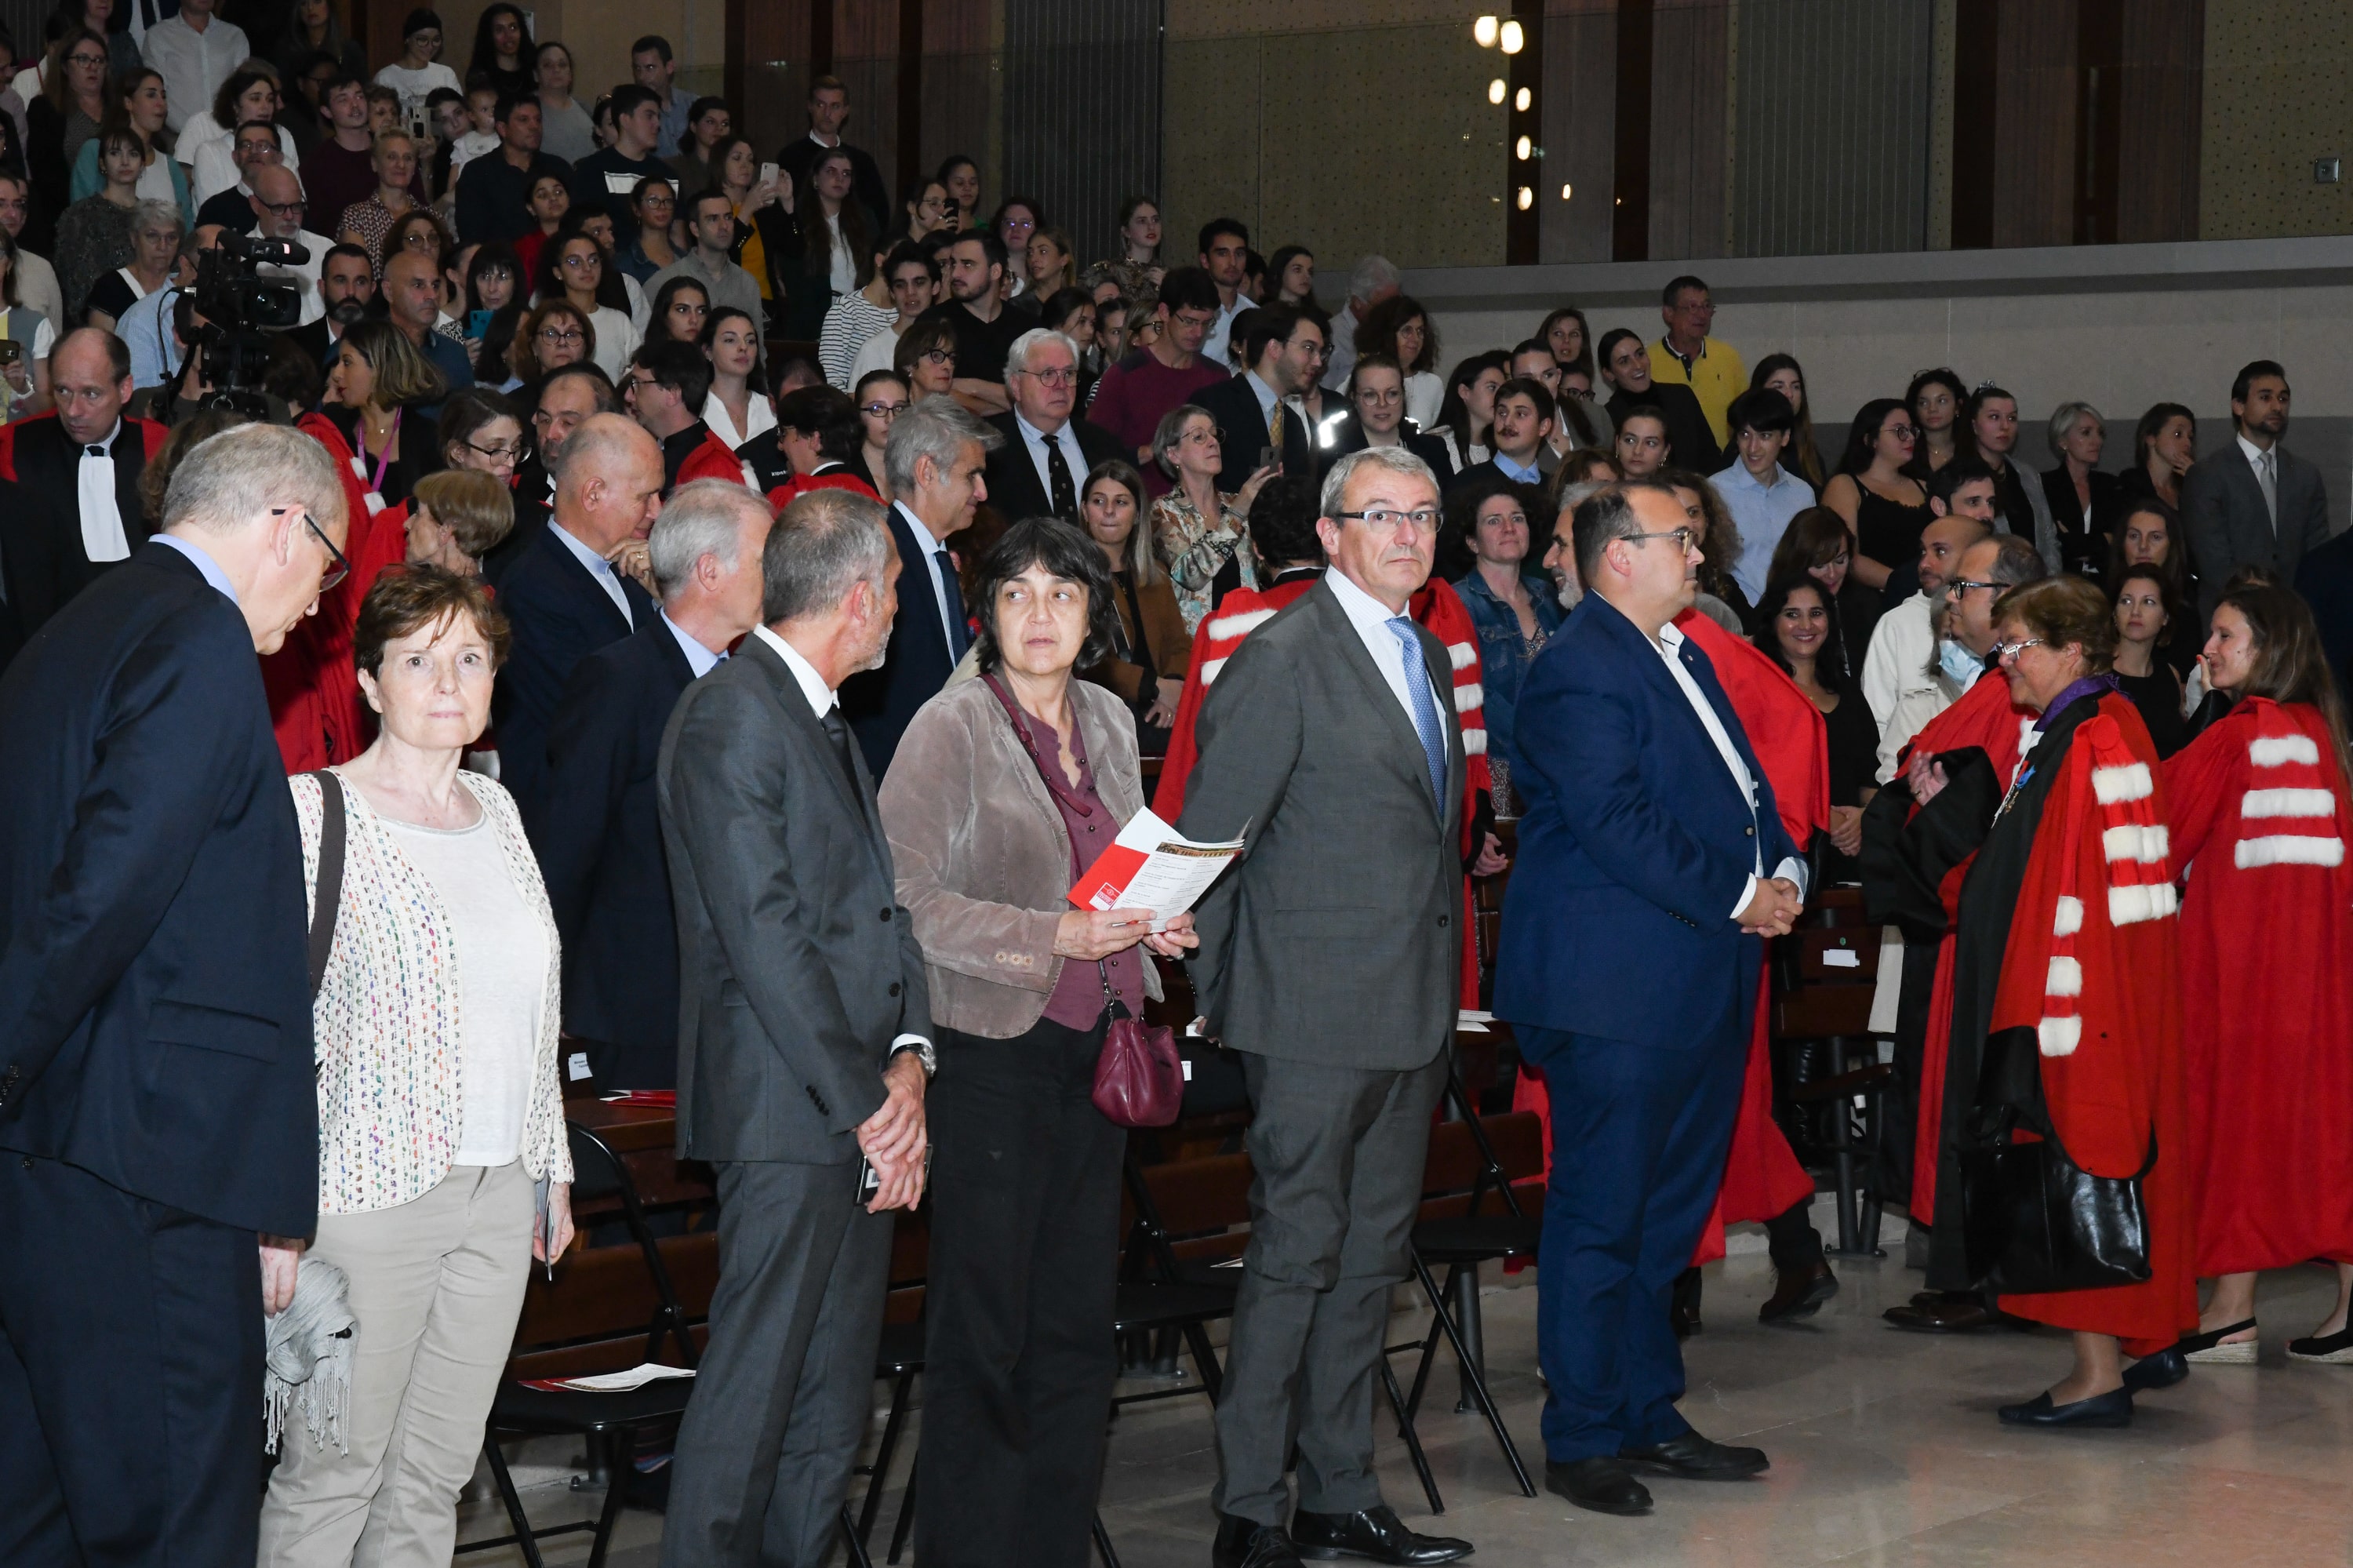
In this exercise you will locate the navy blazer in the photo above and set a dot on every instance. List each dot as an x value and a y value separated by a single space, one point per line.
154 993
881 703
598 831
561 614
1014 488
1634 844
1233 404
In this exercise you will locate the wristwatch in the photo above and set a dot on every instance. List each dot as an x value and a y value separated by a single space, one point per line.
921 1050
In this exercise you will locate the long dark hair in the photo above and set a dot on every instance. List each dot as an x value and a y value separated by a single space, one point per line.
1065 553
1808 456
2152 425
2166 598
1829 665
498 332
1583 360
816 234
1454 413
485 61
1860 435
2290 665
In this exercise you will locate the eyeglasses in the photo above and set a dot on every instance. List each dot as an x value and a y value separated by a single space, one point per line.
1957 587
288 208
939 357
340 565
883 410
1062 378
2008 652
1423 518
86 60
1211 436
511 453
560 334
1681 536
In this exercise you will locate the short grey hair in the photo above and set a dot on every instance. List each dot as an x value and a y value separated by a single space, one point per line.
1170 431
1397 460
599 439
937 428
162 215
230 481
1373 274
2063 418
824 544
2015 561
703 518
1016 359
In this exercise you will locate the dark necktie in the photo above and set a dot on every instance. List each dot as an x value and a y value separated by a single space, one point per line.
1065 498
958 637
838 732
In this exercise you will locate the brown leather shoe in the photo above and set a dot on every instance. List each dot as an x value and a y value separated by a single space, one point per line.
1956 1316
1799 1293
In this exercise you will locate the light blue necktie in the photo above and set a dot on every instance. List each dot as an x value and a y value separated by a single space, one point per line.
1425 708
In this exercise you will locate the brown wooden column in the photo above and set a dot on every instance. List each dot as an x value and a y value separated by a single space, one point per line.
2099 118
1976 99
911 97
1630 214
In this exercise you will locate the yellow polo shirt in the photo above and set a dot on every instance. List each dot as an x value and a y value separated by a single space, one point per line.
1715 377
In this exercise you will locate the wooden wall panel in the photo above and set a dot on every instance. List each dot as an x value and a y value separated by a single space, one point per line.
2161 100
1580 106
1689 67
2034 139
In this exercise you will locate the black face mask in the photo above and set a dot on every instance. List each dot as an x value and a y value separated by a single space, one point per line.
348 312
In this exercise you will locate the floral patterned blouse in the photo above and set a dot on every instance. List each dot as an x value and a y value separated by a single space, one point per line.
1197 551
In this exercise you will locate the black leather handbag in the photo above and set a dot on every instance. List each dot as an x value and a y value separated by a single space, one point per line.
2032 1220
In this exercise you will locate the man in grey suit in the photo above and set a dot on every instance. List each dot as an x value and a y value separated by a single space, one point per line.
1329 959
2254 502
802 1044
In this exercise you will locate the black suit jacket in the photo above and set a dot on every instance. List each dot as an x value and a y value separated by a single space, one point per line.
1014 488
598 836
915 665
1348 435
48 465
1690 441
561 614
316 343
29 577
154 995
2325 579
1234 405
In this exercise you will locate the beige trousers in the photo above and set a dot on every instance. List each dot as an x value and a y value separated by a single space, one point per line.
437 1285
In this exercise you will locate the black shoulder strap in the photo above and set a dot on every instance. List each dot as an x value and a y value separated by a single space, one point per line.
331 875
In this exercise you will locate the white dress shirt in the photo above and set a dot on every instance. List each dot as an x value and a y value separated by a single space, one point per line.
1897 664
1371 620
103 538
930 548
1221 331
1034 441
192 65
822 700
699 659
759 418
598 567
1670 645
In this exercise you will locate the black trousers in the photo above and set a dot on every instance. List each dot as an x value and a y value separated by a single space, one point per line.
1018 1355
130 1377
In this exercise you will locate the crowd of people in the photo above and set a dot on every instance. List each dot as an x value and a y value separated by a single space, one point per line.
663 619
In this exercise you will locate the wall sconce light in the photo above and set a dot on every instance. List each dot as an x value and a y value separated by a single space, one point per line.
1525 98
1484 31
1527 198
1514 39
1564 193
1522 148
1495 90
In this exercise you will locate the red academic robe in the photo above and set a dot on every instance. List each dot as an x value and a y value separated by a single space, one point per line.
2091 966
711 459
314 695
2260 816
782 496
1762 1177
1984 717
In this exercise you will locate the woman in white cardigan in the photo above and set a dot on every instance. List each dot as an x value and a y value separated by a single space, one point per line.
441 1139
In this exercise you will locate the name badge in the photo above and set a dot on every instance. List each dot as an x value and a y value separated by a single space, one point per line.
620 185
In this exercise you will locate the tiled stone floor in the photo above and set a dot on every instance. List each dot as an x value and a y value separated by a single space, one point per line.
1884 1448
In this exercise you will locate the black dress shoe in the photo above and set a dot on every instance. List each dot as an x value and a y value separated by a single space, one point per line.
2337 1348
1376 1534
1247 1544
2162 1370
1696 1458
1799 1293
1965 1316
1600 1483
1682 1307
2114 1408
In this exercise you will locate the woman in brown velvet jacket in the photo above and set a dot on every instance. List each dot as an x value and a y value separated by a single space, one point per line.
1003 790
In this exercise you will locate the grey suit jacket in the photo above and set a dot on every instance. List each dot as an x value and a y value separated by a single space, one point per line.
2222 511
1337 940
797 966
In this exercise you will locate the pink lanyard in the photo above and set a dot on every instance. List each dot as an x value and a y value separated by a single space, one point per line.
383 453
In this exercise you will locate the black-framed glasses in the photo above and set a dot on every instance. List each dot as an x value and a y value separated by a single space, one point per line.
511 453
339 564
288 208
883 410
86 60
1958 586
1681 536
1423 518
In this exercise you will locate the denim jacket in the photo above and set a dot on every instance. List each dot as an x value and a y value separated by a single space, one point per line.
1504 656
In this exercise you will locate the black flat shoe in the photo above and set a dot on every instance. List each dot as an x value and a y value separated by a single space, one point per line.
1799 1293
1377 1535
2114 1408
1247 1544
1692 1457
1600 1483
1951 1317
2336 1348
2162 1370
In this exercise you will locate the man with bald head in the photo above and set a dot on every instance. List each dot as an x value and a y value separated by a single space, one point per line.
412 302
579 586
567 396
279 212
79 513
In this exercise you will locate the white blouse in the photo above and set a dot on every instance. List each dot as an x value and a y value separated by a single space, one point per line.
759 414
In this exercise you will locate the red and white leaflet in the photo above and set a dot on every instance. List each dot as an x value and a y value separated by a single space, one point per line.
1150 866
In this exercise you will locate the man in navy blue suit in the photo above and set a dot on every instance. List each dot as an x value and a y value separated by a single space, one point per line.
938 461
158 1110
1651 862
574 588
594 824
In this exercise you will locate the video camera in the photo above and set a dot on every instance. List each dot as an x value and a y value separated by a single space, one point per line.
241 309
